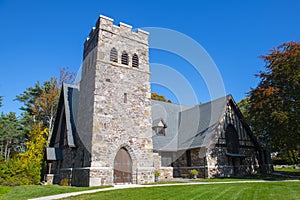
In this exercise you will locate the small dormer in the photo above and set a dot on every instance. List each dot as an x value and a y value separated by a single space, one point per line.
159 127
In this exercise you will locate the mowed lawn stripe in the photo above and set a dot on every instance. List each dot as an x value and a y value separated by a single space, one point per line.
292 190
237 195
200 195
221 193
243 191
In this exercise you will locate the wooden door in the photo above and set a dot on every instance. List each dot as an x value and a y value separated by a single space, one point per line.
122 167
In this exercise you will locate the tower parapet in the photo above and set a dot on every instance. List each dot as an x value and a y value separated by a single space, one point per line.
106 24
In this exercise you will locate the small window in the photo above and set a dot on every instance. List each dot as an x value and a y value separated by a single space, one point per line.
188 158
124 60
135 61
160 131
113 55
125 97
159 126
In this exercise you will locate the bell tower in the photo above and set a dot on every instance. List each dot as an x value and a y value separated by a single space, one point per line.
114 111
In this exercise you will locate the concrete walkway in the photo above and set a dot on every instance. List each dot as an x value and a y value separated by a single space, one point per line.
118 187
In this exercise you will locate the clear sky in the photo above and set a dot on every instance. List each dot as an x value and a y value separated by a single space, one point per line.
37 38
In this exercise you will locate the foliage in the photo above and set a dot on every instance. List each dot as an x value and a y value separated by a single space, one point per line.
194 172
155 96
244 108
266 190
64 182
40 102
11 135
34 191
272 108
23 142
156 173
34 156
25 168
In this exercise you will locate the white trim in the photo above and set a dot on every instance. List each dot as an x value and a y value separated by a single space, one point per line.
142 31
105 17
126 25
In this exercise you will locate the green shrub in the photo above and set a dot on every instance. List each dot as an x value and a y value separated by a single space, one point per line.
194 172
156 173
64 182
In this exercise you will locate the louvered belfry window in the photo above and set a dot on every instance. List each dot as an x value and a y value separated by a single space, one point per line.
124 59
135 61
113 55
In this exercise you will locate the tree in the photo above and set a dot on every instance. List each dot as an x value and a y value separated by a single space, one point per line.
274 107
25 168
39 110
34 156
155 96
11 135
40 101
244 108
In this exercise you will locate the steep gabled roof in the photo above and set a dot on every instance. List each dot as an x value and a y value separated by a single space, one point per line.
170 114
197 125
67 106
188 127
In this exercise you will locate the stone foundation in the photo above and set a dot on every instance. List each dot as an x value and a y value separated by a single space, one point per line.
184 172
88 177
144 175
166 173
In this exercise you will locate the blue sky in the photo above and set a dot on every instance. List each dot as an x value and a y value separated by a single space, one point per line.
37 38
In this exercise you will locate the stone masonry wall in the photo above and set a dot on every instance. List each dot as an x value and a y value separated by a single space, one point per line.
105 117
166 173
198 162
221 165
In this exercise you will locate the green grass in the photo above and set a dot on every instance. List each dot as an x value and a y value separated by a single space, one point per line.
243 191
4 190
289 171
32 191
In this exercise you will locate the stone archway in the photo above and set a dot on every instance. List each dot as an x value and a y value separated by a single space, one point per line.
123 167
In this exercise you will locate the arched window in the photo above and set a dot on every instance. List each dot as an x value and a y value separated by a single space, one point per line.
135 61
113 55
124 59
232 139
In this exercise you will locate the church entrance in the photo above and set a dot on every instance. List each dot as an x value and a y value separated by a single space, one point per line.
122 167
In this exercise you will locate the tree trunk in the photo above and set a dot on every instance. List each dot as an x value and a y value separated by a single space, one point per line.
5 150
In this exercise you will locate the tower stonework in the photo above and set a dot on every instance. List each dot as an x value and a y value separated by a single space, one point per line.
114 109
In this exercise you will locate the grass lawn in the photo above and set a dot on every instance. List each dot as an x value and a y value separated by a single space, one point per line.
32 191
288 171
243 191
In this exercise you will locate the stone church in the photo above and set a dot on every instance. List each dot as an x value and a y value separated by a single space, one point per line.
109 131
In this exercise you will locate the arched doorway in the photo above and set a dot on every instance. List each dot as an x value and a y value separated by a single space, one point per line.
122 167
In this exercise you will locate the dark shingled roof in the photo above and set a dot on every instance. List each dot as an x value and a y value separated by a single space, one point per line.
188 127
68 103
197 125
53 153
170 115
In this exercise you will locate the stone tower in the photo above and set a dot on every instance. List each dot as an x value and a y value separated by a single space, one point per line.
114 111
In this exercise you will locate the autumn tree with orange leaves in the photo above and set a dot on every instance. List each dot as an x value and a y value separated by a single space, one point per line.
273 109
40 102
